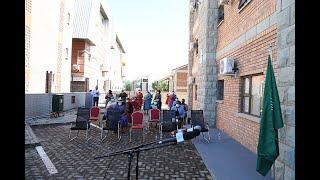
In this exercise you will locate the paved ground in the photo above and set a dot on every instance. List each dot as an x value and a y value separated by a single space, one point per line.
74 160
224 158
31 139
227 159
66 117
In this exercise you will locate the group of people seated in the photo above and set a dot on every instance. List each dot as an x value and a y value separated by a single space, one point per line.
127 105
181 110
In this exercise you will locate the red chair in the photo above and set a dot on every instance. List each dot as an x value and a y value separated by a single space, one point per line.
94 114
137 123
154 117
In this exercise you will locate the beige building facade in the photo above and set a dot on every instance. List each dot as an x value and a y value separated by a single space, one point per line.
71 46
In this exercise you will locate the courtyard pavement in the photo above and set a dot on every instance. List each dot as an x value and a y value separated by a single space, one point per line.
75 159
222 159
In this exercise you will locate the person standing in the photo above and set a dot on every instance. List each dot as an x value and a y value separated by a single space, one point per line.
185 107
135 104
173 97
157 98
167 99
129 109
147 102
123 95
109 96
139 98
95 93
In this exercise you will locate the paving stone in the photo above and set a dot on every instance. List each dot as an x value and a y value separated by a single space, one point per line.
75 159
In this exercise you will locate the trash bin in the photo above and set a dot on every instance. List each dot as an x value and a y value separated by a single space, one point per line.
57 103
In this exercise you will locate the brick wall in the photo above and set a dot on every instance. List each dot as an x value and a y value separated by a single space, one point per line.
251 58
78 86
237 23
182 79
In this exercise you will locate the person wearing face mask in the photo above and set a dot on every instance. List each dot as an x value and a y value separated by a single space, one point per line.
111 104
121 107
175 102
180 112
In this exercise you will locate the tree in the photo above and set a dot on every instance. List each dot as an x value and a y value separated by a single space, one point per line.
127 85
155 85
164 86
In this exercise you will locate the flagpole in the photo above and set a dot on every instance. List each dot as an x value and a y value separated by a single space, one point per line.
270 53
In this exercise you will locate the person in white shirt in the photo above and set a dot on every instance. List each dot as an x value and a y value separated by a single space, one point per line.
95 93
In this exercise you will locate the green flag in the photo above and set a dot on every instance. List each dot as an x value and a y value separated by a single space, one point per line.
271 121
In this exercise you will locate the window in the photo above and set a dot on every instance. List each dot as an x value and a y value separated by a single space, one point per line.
220 14
68 18
67 53
252 92
243 3
196 5
196 92
195 46
220 88
104 18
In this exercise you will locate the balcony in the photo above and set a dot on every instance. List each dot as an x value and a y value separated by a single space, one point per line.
79 59
77 69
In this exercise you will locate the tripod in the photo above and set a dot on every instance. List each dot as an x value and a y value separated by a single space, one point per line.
130 153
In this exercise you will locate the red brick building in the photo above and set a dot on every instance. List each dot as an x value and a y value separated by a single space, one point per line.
241 32
179 79
238 111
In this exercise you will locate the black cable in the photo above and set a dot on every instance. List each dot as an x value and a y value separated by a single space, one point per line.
108 167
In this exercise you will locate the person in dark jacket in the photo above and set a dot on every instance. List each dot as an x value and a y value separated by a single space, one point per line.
109 96
180 113
157 99
123 95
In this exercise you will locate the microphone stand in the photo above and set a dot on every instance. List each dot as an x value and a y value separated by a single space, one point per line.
137 149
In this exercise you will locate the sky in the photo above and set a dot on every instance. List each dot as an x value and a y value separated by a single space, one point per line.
154 34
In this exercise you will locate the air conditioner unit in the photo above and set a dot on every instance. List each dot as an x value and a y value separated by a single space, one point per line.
227 66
